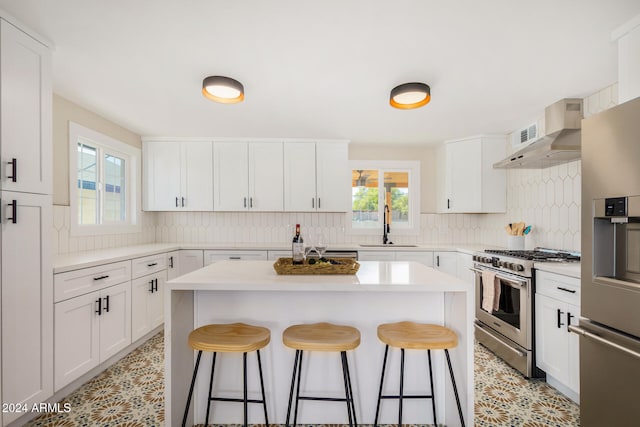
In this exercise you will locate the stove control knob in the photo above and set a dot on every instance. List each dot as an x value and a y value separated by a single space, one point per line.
519 267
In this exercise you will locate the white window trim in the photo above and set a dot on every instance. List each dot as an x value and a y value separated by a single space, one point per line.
133 177
411 166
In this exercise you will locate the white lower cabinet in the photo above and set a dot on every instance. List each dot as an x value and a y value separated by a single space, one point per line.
425 258
215 255
183 261
147 303
89 329
464 263
376 256
446 262
557 350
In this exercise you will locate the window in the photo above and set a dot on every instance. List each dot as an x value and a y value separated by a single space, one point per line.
103 177
382 189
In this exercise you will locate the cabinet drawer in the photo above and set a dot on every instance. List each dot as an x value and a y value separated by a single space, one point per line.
212 256
148 265
563 288
79 282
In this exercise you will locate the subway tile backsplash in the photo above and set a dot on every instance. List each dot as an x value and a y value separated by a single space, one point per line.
547 199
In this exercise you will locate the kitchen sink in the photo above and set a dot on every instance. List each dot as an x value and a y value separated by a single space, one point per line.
380 245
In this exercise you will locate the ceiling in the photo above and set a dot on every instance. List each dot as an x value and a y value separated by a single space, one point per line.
324 69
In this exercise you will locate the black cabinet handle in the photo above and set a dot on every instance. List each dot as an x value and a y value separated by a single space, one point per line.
14 173
235 257
569 316
152 264
437 260
99 310
106 303
559 320
318 202
571 291
151 286
101 277
183 202
313 202
251 202
155 286
171 261
448 203
14 211
245 202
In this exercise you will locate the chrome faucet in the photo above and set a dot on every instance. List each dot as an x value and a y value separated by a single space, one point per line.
386 229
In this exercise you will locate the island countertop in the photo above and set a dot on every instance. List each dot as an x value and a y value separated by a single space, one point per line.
372 276
380 292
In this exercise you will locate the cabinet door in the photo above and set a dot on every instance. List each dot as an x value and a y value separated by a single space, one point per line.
27 298
141 288
446 262
463 267
25 109
161 183
77 333
376 256
551 337
156 303
197 176
173 264
463 176
266 176
425 258
299 176
333 180
115 320
231 176
190 260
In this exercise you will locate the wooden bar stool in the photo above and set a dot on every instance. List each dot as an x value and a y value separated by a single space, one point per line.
228 338
321 337
416 336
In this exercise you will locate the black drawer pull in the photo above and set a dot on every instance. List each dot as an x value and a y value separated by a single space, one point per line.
571 291
14 173
155 286
152 264
559 319
106 303
171 261
151 286
235 257
99 310
14 211
101 277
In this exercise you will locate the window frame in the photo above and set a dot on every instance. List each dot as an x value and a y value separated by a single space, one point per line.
104 144
382 166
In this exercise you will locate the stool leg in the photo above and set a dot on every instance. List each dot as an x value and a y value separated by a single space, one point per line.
433 393
193 381
213 367
384 366
401 387
455 389
293 383
244 388
295 411
264 399
351 412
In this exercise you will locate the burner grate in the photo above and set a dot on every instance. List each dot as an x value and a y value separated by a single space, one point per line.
537 255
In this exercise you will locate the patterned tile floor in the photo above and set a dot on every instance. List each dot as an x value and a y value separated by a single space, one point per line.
130 394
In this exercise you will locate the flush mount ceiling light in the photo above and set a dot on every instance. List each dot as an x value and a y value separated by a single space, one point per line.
223 89
410 95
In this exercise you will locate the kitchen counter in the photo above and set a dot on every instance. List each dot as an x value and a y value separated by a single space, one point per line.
77 260
251 291
571 269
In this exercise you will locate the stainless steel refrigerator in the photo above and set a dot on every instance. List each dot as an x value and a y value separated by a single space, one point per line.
609 327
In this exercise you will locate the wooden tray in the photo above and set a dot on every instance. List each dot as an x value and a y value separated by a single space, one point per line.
343 266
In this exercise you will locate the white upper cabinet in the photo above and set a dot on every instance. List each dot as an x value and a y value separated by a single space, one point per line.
316 177
248 176
178 175
471 183
25 112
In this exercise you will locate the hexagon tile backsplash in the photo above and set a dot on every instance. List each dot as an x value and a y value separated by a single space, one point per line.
547 199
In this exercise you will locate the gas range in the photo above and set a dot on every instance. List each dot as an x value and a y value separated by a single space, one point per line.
520 262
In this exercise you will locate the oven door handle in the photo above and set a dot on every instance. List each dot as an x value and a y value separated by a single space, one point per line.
518 283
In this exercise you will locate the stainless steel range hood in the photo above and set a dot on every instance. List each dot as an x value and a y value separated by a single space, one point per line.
561 143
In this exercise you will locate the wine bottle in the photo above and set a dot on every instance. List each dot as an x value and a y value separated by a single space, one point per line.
297 247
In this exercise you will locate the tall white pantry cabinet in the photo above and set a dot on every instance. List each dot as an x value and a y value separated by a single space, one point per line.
26 276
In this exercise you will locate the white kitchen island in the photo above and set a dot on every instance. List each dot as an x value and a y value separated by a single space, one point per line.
252 292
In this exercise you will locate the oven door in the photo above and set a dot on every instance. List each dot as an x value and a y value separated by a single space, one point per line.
513 316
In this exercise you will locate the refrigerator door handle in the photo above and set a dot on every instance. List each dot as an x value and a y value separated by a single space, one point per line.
584 333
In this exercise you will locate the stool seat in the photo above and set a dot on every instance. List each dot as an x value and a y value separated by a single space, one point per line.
229 338
321 337
417 336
